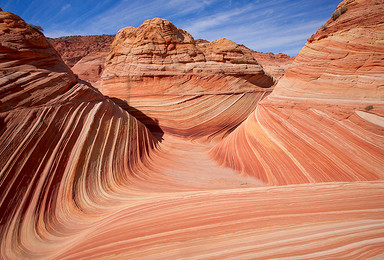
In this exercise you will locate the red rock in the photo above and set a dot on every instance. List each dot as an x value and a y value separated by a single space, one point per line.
158 49
90 68
158 68
82 178
343 60
274 64
85 54
73 48
52 133
323 121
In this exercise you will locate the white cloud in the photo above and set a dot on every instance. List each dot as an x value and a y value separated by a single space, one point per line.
65 7
214 21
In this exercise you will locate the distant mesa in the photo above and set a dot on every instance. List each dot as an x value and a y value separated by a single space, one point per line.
85 55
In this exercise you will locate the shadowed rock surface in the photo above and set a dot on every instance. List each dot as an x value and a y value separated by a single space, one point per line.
84 54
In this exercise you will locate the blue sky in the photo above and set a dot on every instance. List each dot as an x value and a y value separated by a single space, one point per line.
262 25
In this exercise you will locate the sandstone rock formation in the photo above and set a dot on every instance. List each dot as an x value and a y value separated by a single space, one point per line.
80 177
53 132
158 49
73 48
343 60
274 64
159 69
84 54
324 120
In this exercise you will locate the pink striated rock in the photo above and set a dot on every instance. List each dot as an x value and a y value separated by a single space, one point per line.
158 61
323 121
343 60
80 177
52 131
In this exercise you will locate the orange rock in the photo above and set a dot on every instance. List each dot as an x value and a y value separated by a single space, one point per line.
323 121
80 177
158 61
84 54
159 49
274 64
52 134
73 48
343 60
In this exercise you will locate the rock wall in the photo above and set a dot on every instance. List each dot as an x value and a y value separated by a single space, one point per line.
343 60
63 145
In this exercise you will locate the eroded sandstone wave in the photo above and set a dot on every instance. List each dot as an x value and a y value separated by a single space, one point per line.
312 127
168 168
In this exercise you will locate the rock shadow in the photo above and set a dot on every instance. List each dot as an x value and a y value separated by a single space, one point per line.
150 123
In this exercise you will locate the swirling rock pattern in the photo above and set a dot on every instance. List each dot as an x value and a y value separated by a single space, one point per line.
343 60
324 120
82 178
188 88
64 146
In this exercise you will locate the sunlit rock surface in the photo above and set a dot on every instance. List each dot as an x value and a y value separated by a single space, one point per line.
324 120
343 60
81 177
190 89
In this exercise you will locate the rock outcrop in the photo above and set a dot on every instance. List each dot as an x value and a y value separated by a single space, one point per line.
63 145
84 54
157 49
324 120
73 48
159 69
343 60
274 64
81 177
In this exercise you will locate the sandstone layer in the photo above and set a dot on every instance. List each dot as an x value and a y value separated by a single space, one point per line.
53 132
343 60
274 64
84 54
324 120
81 177
188 88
